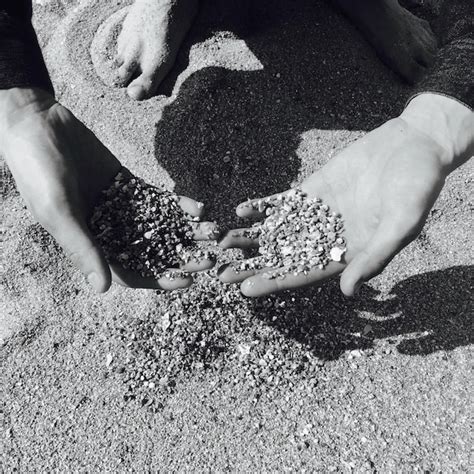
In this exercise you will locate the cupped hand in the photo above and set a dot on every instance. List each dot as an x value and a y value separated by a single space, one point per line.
60 168
383 185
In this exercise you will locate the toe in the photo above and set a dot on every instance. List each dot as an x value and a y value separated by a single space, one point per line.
145 85
409 68
126 71
424 57
140 88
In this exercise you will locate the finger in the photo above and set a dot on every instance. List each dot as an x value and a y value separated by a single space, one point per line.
236 272
256 207
269 281
198 264
131 279
191 207
388 240
240 238
81 247
205 230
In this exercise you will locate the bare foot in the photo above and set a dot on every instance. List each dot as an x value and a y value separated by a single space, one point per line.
149 42
402 40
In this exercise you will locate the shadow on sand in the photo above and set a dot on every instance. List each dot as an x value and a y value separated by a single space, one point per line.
431 311
315 76
318 74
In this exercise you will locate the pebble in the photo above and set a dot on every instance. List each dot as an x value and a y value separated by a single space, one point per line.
298 235
132 233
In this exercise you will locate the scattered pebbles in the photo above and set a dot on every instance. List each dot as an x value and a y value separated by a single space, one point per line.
208 324
208 327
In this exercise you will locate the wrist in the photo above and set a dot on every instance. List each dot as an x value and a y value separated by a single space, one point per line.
20 102
447 122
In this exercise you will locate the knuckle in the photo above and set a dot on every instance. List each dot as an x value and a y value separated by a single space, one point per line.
78 255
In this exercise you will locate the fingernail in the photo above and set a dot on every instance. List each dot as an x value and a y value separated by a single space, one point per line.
94 280
246 287
222 268
357 287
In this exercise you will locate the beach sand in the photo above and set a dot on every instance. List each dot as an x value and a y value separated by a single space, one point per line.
307 380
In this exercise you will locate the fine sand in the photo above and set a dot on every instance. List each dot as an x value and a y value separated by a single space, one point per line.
307 380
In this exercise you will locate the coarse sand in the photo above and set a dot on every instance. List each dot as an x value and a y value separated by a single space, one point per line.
307 380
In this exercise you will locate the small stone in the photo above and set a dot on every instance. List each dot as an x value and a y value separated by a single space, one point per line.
336 253
367 329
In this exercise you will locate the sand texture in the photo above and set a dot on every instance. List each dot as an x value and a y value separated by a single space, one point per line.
307 380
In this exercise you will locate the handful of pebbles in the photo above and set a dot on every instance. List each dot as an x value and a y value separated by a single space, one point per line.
143 228
298 235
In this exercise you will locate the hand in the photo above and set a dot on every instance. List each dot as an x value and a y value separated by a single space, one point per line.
383 185
60 167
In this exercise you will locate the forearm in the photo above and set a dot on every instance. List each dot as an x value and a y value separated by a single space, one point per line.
21 61
448 122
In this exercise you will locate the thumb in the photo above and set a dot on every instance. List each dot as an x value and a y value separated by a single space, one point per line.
388 240
81 247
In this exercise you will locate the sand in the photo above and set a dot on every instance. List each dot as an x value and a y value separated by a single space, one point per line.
307 380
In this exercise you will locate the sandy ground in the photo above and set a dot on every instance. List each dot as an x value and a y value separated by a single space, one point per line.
307 380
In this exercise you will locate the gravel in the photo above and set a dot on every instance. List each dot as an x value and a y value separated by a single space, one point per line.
143 228
298 234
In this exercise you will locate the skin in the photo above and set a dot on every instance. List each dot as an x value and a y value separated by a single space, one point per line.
153 32
60 167
404 42
149 42
384 193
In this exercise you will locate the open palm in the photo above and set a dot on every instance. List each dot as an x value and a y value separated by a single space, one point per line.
383 185
60 167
